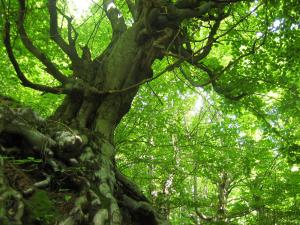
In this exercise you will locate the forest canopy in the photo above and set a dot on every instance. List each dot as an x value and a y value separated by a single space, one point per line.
149 112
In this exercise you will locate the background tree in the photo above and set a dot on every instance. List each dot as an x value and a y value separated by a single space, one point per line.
229 169
241 50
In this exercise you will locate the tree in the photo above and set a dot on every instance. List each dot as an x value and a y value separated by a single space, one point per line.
224 164
72 152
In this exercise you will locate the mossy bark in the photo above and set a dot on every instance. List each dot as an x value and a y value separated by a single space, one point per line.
72 155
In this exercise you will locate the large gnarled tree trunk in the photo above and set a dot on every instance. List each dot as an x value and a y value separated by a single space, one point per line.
77 175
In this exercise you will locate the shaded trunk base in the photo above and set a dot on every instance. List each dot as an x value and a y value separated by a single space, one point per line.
51 174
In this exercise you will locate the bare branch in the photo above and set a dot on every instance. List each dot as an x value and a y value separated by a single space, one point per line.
155 94
21 76
71 29
238 22
209 43
201 53
95 30
69 49
191 81
260 115
50 67
214 75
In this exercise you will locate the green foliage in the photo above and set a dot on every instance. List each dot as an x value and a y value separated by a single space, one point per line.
183 148
180 143
181 151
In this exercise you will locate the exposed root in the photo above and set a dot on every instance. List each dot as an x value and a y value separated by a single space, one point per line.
11 204
66 170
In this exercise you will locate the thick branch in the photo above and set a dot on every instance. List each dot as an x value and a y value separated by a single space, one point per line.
51 68
115 17
209 44
21 76
195 12
195 56
213 75
130 188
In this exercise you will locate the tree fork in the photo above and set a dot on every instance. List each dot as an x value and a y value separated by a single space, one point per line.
74 148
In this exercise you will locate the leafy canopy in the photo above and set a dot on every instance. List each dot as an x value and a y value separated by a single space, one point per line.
234 118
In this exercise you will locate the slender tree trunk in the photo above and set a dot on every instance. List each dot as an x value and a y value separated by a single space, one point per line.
223 192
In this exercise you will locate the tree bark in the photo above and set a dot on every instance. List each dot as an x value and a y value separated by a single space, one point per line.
76 145
77 154
66 172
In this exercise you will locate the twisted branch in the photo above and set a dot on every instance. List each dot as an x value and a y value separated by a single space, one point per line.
50 67
24 81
